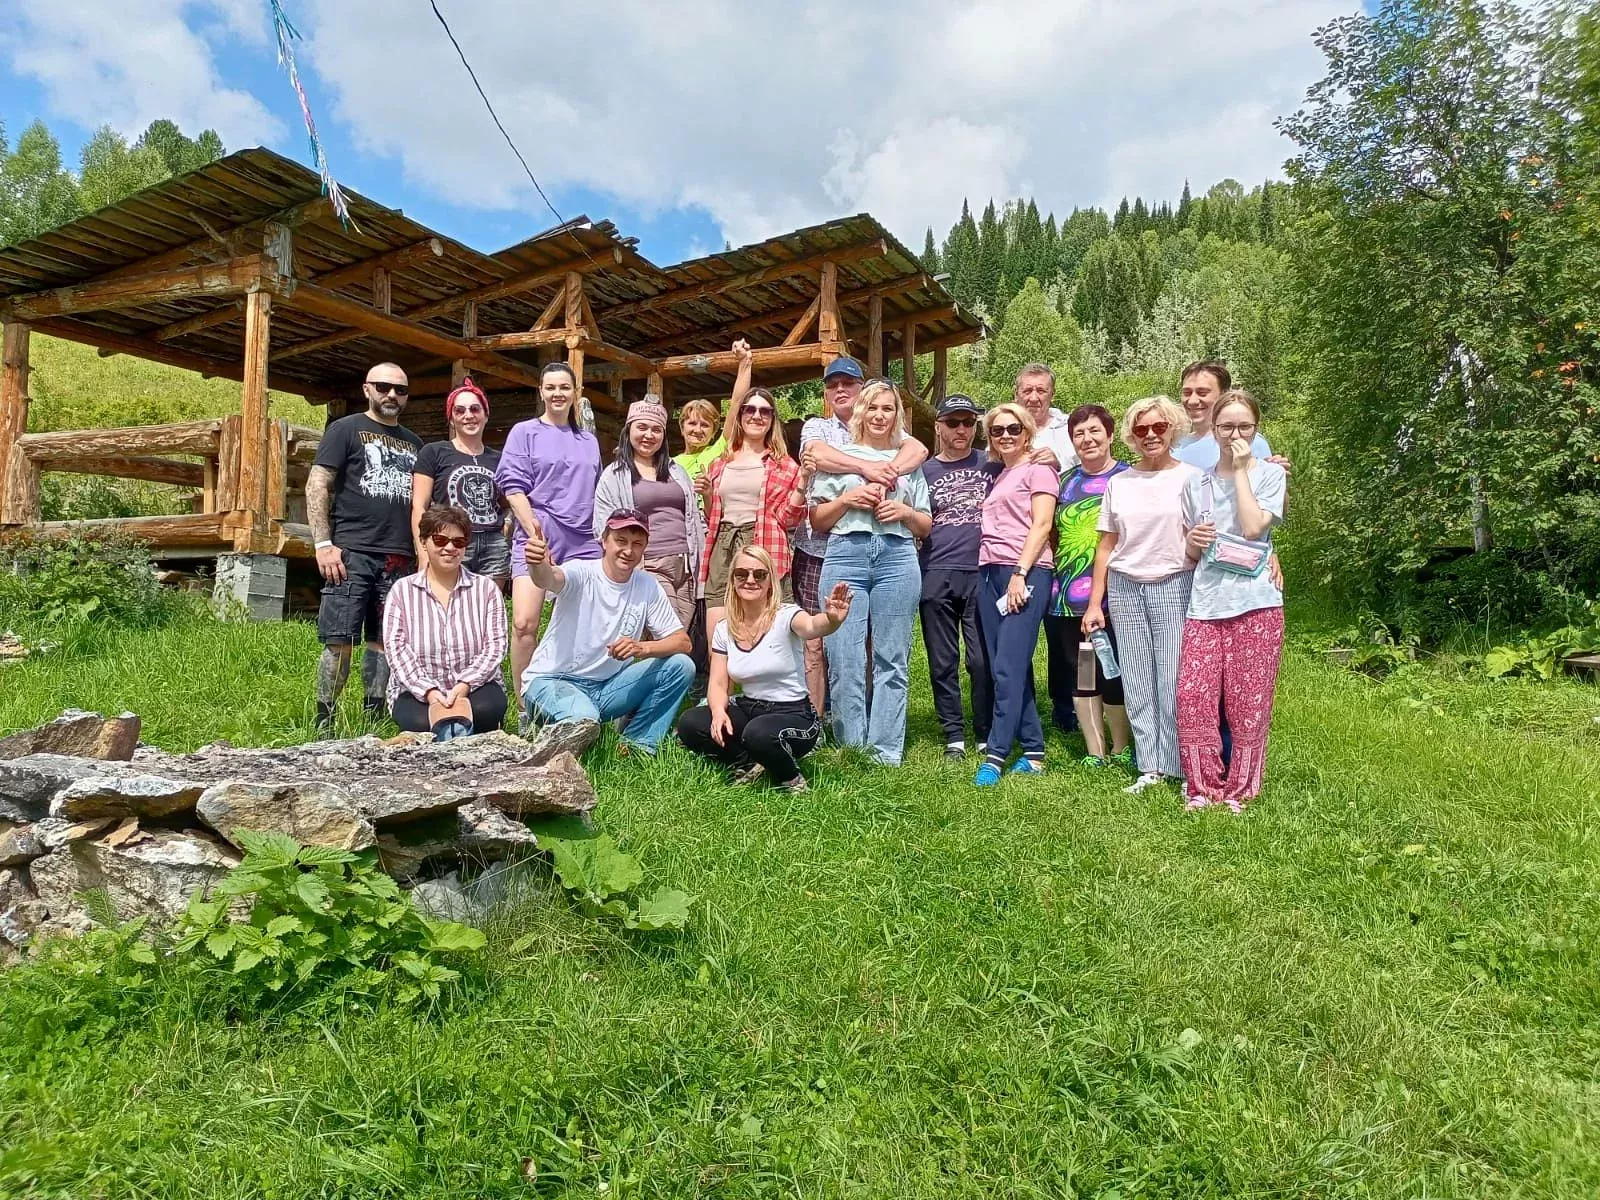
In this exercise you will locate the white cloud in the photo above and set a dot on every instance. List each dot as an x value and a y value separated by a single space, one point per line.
771 116
130 62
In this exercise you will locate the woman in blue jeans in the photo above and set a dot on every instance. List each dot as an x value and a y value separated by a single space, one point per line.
872 548
1014 575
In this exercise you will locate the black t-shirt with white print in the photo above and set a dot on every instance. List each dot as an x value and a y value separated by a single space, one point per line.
372 465
466 481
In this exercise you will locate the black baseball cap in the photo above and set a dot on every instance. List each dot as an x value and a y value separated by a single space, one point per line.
958 403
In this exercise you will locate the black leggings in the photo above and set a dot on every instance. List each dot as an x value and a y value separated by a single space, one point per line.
774 733
1063 636
488 702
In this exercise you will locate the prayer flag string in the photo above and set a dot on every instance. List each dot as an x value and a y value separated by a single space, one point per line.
287 35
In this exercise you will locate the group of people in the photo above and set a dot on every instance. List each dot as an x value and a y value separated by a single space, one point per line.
790 583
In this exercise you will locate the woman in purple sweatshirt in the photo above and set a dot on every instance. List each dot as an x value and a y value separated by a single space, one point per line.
548 472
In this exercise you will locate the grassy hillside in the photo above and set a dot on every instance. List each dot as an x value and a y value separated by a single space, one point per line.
1380 982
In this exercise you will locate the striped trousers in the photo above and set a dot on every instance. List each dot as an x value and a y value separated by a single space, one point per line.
1148 618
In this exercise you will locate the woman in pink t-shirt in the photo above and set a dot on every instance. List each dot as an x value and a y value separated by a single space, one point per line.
1014 566
1142 568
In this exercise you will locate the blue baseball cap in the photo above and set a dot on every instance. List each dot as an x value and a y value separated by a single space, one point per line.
844 366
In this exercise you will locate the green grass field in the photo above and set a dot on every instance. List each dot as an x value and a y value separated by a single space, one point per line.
1382 981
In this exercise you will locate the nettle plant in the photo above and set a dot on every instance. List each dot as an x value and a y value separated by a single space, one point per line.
321 920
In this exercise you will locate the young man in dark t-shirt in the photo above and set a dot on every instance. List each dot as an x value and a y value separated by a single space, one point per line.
358 500
958 479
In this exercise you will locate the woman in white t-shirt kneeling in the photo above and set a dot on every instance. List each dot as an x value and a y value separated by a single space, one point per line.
770 725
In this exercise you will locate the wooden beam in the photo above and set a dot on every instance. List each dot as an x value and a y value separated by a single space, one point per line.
638 363
656 385
572 301
309 297
228 463
391 260
381 294
726 362
604 401
830 326
804 324
947 341
210 320
151 470
875 337
277 256
908 356
522 341
469 320
210 279
19 502
526 281
712 287
548 317
253 428
575 361
179 437
207 247
941 374
183 530
276 500
139 347
726 333
14 368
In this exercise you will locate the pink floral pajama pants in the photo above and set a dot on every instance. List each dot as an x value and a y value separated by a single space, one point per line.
1229 664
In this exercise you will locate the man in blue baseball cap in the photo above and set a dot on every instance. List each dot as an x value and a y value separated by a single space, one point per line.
821 439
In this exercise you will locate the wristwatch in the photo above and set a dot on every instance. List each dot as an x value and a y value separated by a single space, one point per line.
1019 569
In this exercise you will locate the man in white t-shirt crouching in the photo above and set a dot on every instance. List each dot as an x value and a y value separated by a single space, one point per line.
596 661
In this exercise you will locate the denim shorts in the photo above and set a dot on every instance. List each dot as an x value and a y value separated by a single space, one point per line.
355 607
489 553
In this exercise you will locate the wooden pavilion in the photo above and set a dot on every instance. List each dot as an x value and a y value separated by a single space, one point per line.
240 270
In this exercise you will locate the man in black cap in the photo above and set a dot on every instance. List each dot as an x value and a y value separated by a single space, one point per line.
958 479
821 450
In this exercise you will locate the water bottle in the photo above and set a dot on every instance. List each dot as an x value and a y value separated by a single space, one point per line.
1101 641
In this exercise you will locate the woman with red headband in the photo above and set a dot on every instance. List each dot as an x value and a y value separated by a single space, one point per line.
459 472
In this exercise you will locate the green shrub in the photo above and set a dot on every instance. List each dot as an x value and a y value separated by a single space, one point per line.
56 582
1493 590
325 926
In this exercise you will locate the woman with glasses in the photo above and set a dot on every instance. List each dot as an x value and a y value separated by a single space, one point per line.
548 473
1233 637
754 493
444 630
770 725
644 479
1142 572
1014 561
872 548
1096 699
459 472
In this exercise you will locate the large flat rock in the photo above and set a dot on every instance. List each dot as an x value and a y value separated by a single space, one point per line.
78 733
153 874
311 812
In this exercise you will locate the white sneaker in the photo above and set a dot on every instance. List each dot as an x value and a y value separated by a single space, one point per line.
1147 780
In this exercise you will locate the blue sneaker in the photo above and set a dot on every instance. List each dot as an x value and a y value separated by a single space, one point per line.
988 775
1026 766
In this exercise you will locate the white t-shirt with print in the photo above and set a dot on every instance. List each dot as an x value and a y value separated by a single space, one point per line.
775 669
590 613
1219 593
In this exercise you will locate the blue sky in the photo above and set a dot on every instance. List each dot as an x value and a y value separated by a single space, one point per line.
701 121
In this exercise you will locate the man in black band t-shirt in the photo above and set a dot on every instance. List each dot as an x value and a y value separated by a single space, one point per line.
358 500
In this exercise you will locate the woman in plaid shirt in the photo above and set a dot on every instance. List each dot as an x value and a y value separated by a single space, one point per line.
755 493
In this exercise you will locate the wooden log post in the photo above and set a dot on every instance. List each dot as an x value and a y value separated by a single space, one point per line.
908 357
875 337
380 290
228 463
830 327
14 336
277 481
941 375
469 330
251 495
656 385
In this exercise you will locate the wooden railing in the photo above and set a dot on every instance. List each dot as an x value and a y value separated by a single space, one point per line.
201 455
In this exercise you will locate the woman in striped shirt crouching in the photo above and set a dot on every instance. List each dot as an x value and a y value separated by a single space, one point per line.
444 630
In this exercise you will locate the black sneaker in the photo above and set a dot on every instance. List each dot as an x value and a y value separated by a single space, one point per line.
954 753
324 721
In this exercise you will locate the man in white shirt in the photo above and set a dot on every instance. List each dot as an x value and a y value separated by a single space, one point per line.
596 661
1035 390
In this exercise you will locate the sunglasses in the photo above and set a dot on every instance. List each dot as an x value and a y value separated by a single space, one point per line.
468 410
961 422
1013 430
1154 429
442 540
383 387
755 410
750 574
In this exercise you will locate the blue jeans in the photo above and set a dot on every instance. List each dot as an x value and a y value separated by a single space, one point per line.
883 574
1011 640
648 691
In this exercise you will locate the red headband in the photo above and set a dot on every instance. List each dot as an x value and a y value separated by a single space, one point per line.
472 389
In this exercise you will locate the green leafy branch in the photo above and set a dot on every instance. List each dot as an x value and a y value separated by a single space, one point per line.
604 882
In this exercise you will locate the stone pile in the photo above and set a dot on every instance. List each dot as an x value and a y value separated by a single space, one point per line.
84 805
